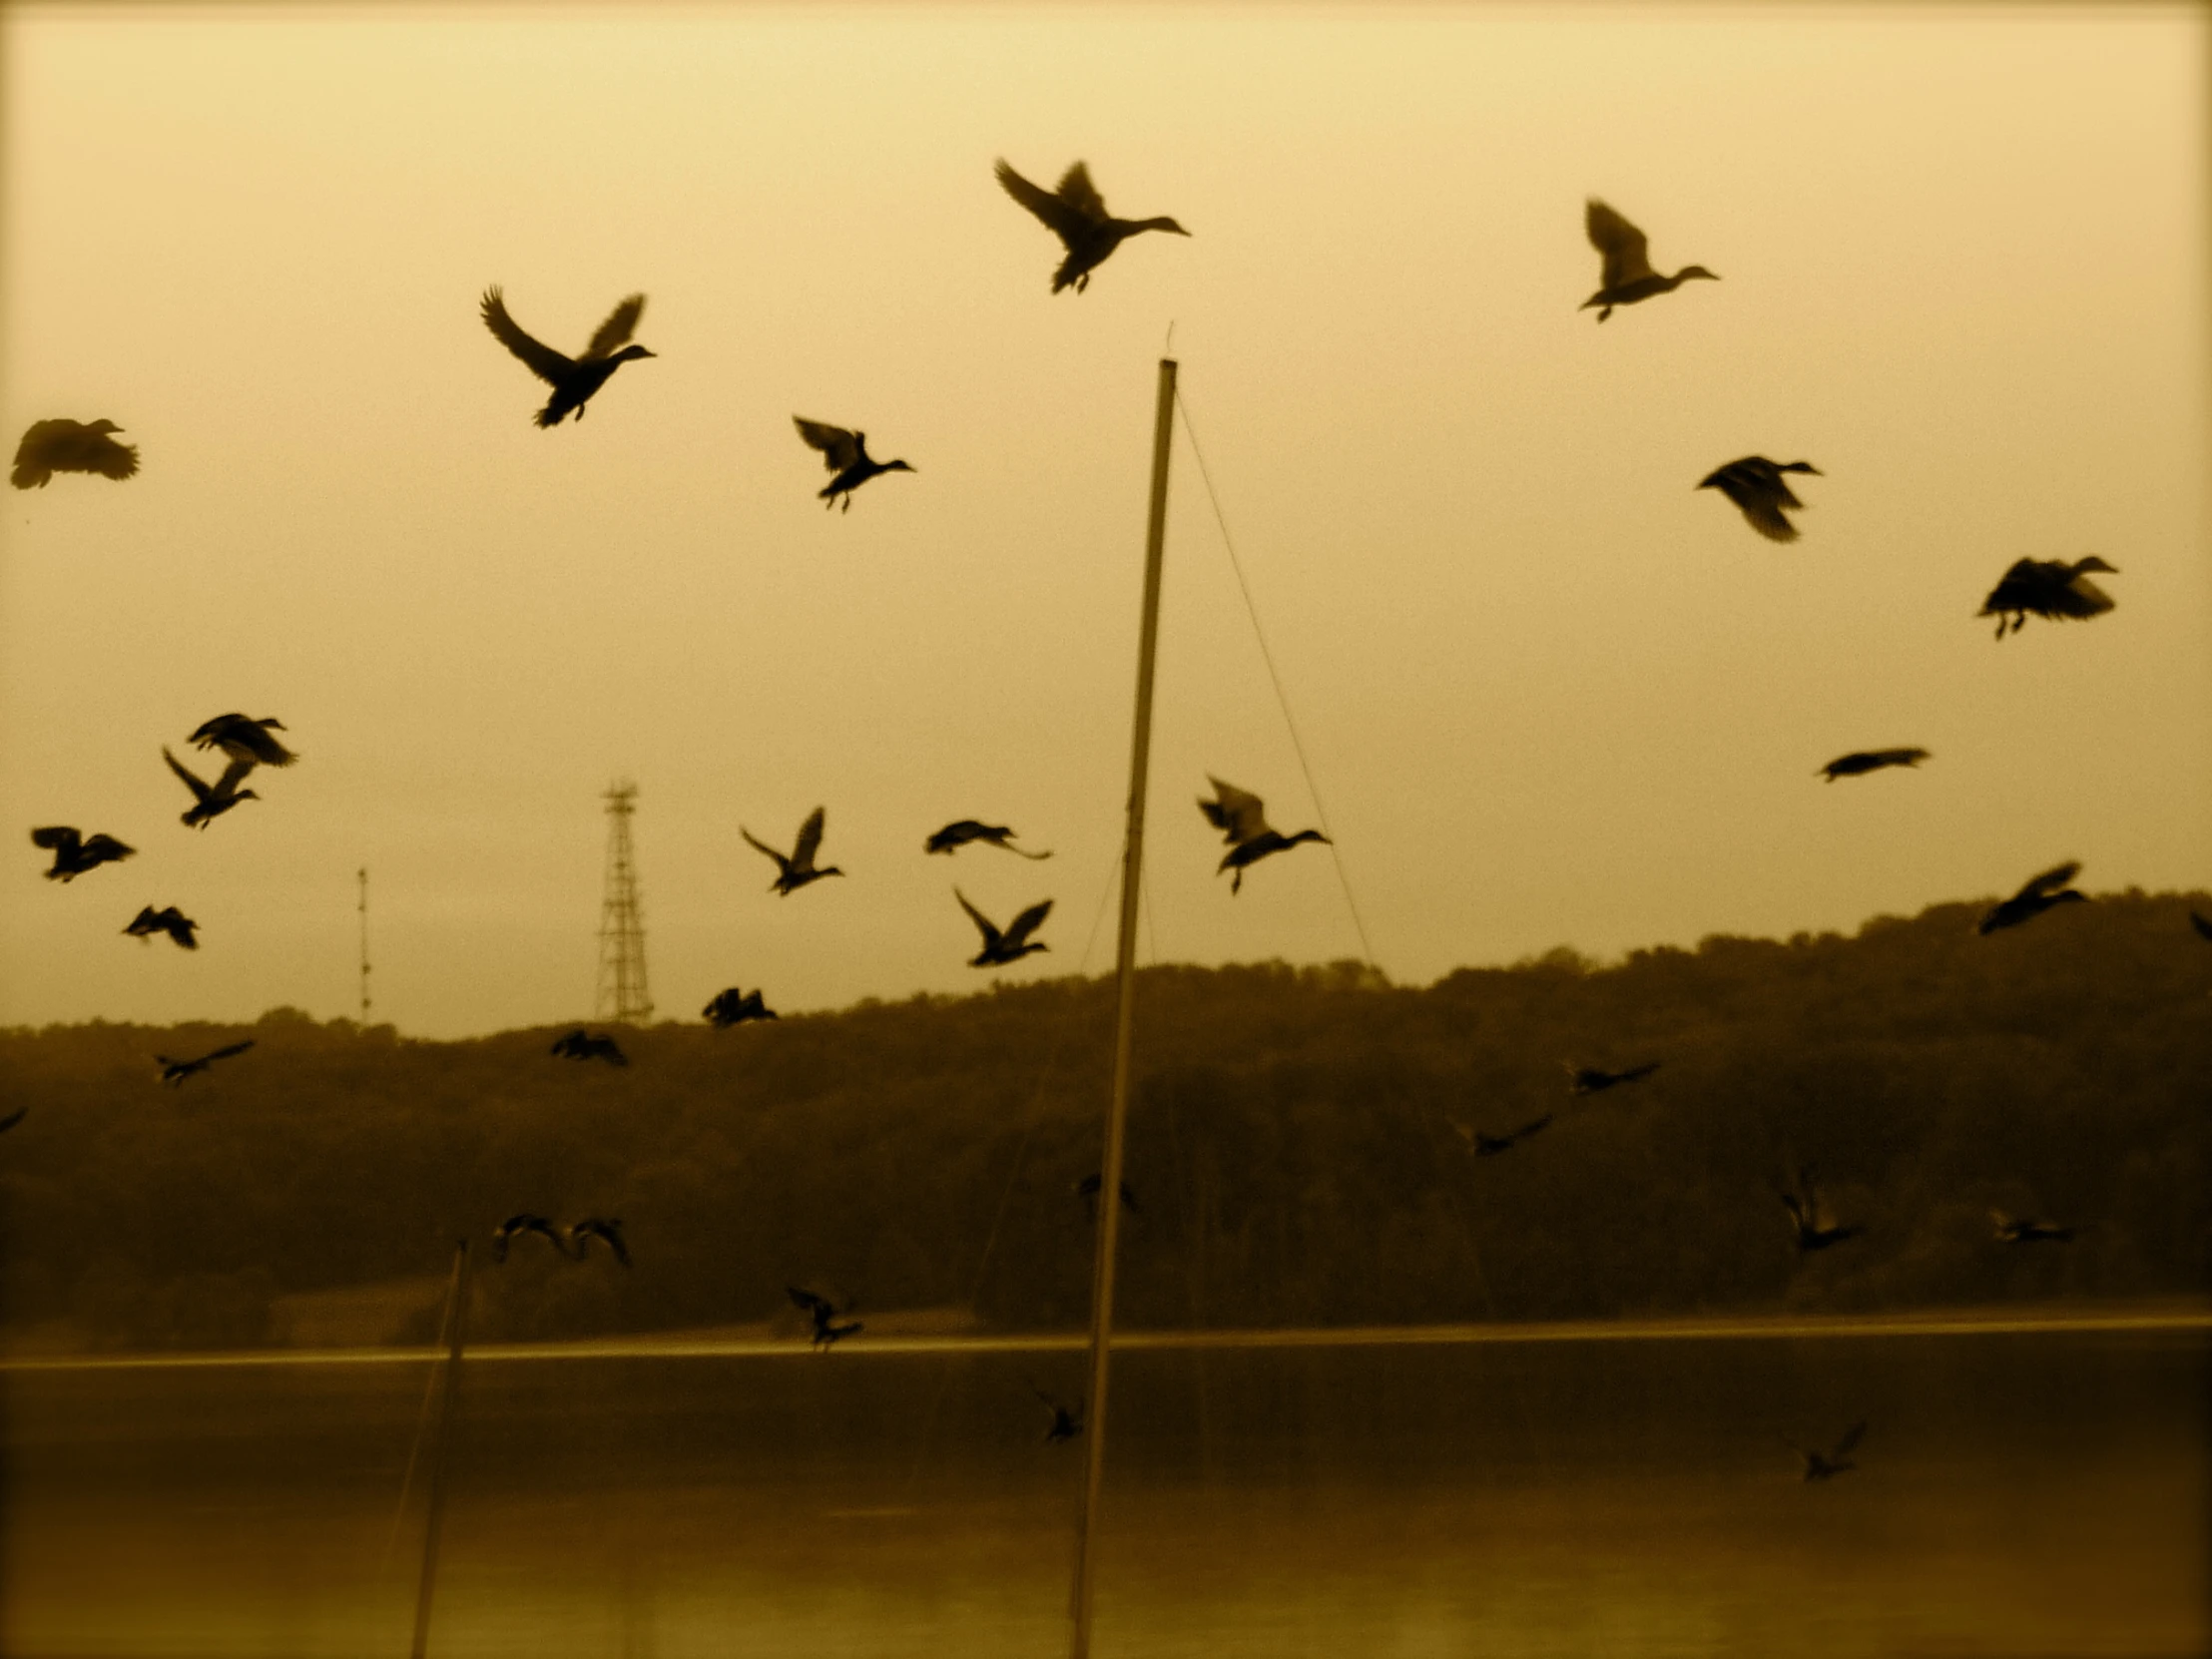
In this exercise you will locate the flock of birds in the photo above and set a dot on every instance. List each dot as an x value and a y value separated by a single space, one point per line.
1074 212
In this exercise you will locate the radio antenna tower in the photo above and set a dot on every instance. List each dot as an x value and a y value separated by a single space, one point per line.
622 994
364 944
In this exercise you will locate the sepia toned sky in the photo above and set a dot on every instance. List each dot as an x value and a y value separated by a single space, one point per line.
1551 693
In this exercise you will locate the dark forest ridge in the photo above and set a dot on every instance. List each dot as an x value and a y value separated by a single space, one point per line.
1291 1133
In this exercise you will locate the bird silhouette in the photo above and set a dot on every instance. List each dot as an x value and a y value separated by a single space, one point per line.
1587 1080
2049 588
245 739
796 872
846 454
1489 1146
2039 894
957 835
1760 491
573 380
1087 1190
729 1008
1814 1227
75 854
52 446
2010 1231
1870 760
1067 1420
1627 277
1241 816
606 1228
824 1314
1015 943
1078 216
514 1225
210 804
172 922
579 1045
174 1072
1821 1465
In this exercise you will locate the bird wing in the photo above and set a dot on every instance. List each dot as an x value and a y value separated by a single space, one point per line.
2043 885
1237 814
837 445
1762 508
235 1048
809 839
543 361
2203 927
1850 1439
13 1118
253 736
57 837
1077 191
216 729
199 791
101 454
621 323
107 847
2081 597
1065 218
232 775
1620 242
807 1301
1028 921
991 935
763 846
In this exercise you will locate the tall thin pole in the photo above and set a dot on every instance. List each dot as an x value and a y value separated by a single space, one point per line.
456 1324
1125 964
364 944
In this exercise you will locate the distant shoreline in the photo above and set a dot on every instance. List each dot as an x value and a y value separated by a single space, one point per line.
1940 1321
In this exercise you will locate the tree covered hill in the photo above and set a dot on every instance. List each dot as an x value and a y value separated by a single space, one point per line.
1297 1146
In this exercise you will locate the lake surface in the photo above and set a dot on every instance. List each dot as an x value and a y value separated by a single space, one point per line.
2017 1494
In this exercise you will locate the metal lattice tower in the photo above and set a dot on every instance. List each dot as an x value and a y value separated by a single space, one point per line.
622 994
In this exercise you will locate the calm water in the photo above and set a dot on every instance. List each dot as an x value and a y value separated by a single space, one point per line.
2017 1494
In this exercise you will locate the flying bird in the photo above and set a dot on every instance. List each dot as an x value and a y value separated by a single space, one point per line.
606 1228
2039 894
514 1225
846 454
796 872
172 922
1819 1465
573 380
245 739
1761 493
729 1008
578 1045
75 854
52 446
1067 1420
2010 1231
209 803
1015 943
957 835
1242 818
1489 1146
1627 275
1814 1228
176 1072
824 1314
1587 1080
1087 1190
1870 760
2048 588
1076 214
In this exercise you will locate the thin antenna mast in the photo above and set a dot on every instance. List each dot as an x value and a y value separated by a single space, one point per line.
1131 866
364 873
621 992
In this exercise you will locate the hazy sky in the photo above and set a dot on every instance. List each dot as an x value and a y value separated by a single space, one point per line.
1550 692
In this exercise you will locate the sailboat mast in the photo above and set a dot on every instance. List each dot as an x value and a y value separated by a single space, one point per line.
1125 964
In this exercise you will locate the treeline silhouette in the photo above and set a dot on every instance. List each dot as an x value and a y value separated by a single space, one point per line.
1291 1148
